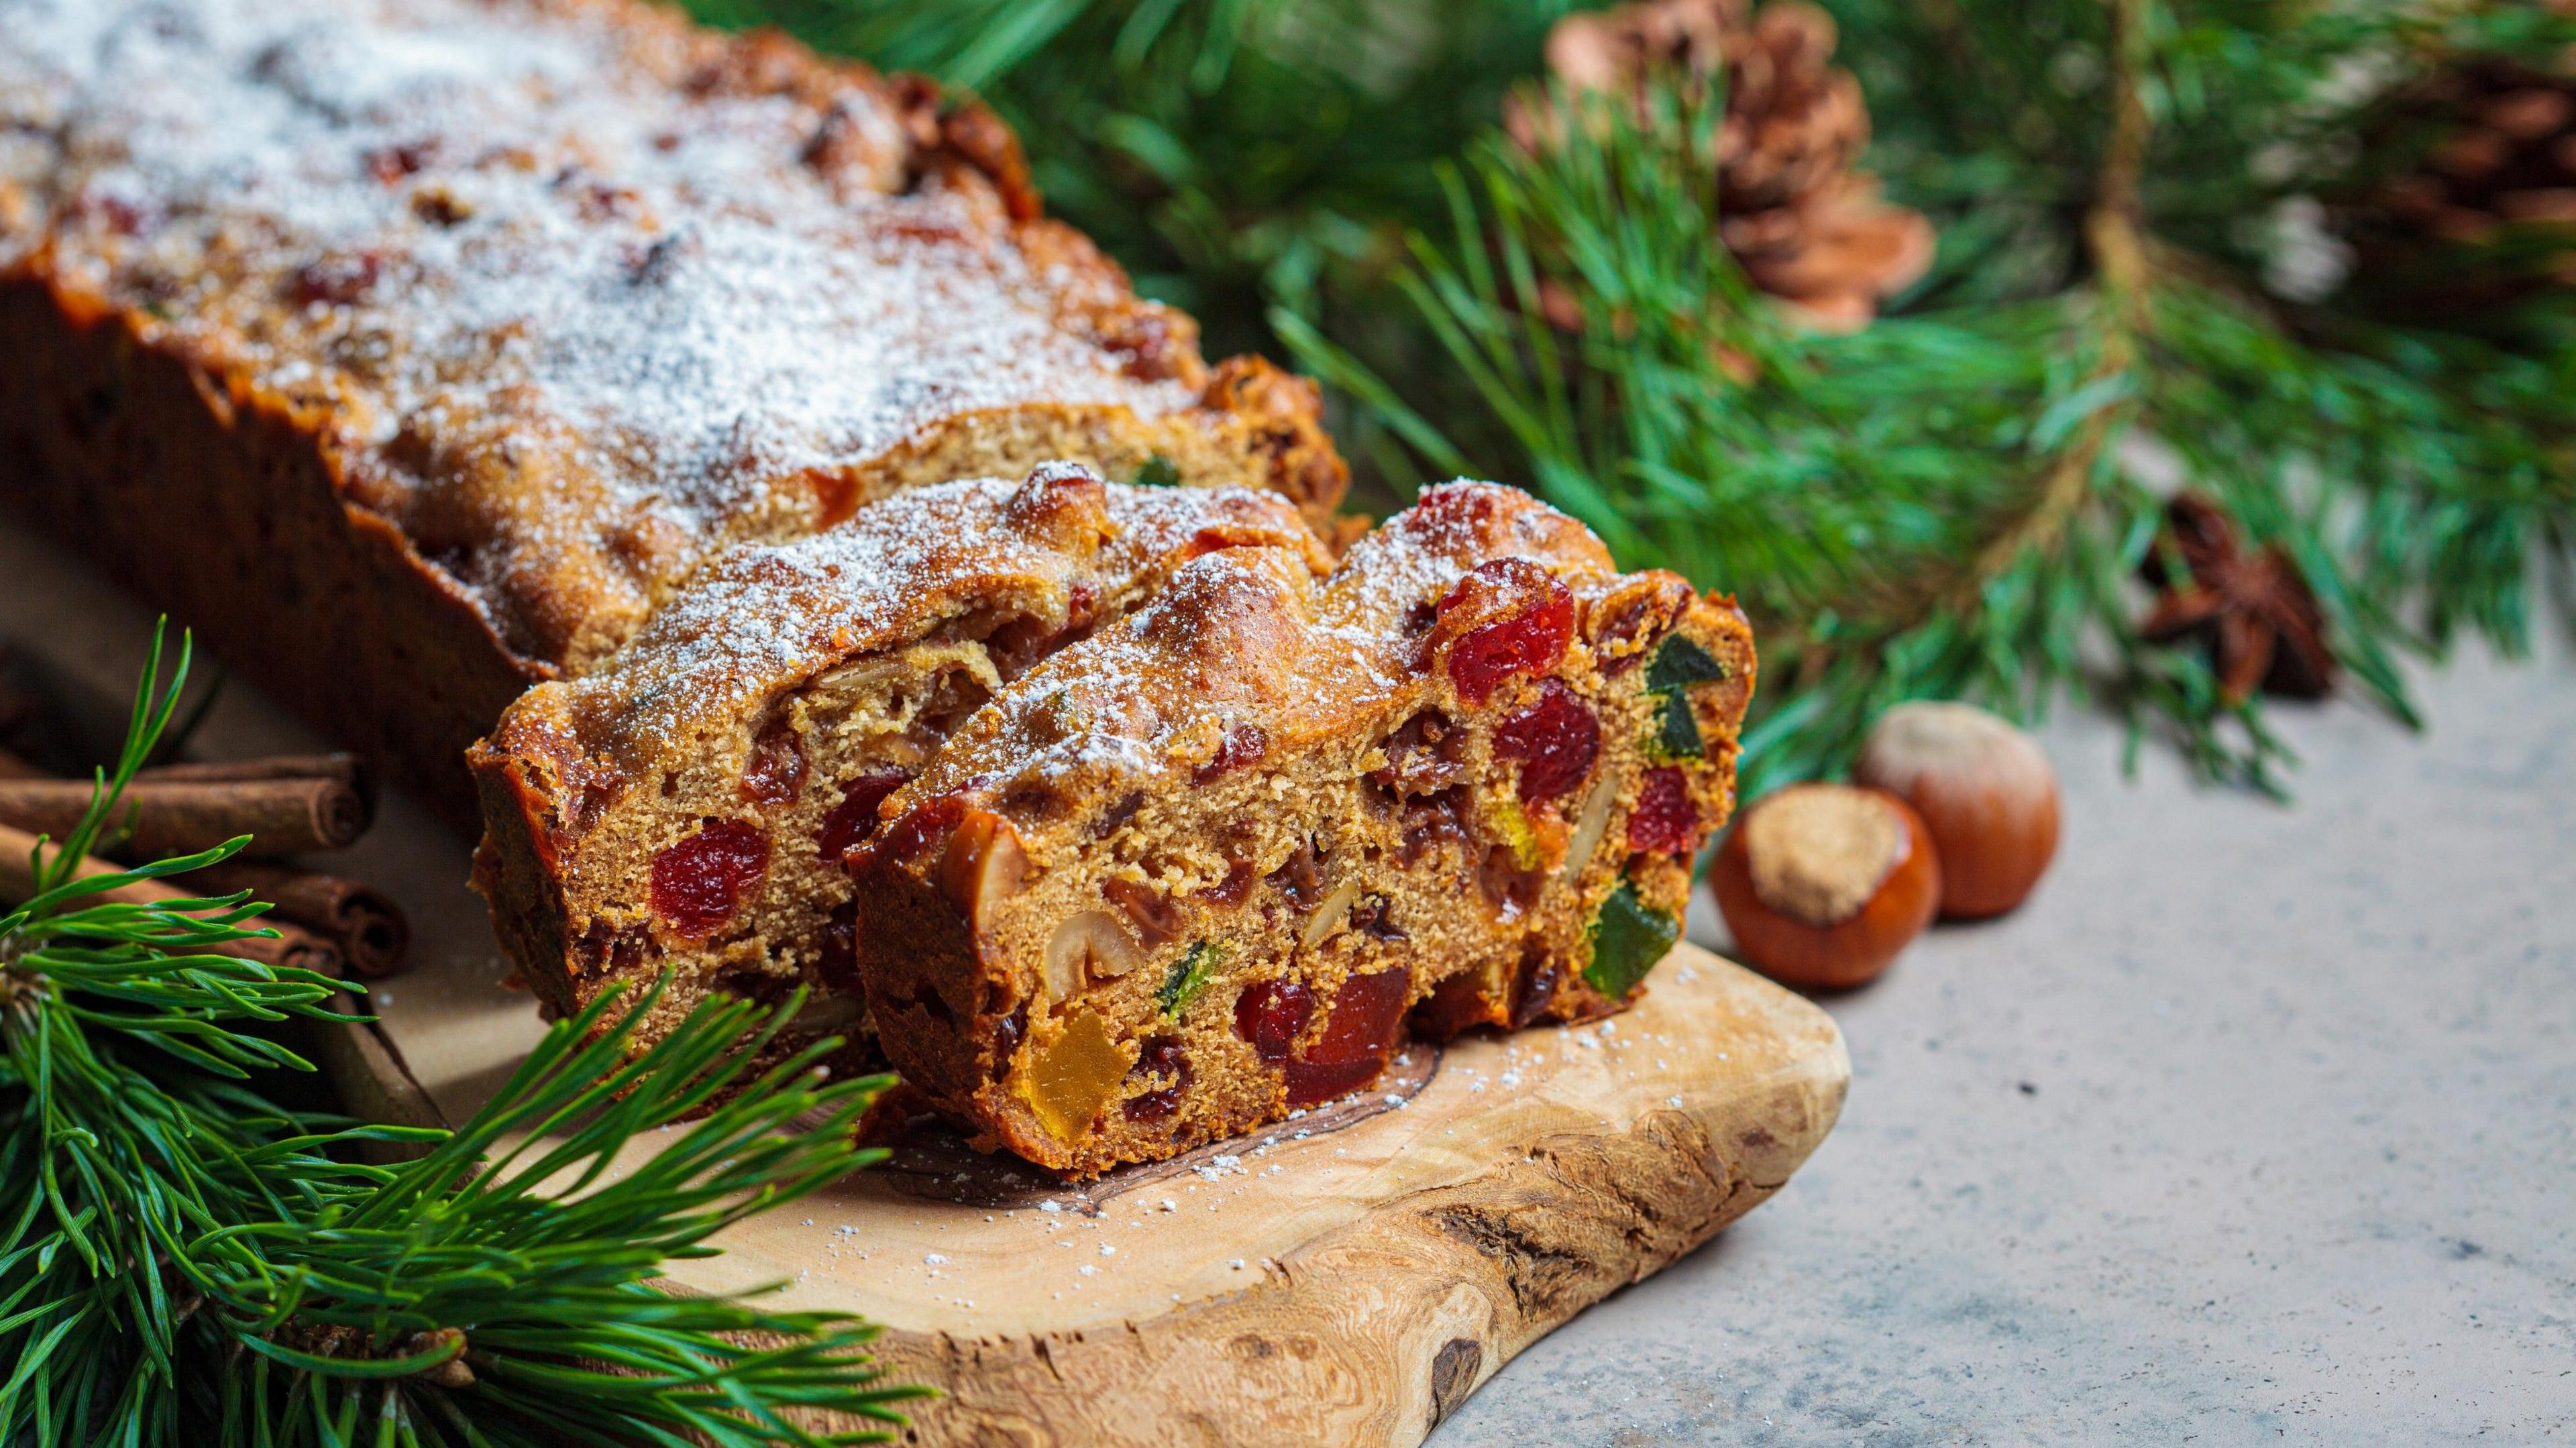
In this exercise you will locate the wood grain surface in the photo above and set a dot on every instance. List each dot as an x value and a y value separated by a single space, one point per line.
1347 1277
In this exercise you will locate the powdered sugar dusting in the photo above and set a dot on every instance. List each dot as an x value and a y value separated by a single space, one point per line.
766 617
575 320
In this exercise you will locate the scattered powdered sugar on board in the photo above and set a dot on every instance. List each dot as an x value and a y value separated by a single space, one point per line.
560 305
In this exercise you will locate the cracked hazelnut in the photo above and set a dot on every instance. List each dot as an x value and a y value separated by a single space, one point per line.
1822 884
984 866
1985 792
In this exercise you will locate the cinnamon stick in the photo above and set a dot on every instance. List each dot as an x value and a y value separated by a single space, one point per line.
363 921
348 769
293 946
289 816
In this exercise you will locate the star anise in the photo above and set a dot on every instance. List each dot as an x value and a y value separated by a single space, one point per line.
2253 610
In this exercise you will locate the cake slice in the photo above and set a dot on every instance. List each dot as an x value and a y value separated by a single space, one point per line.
1196 871
685 805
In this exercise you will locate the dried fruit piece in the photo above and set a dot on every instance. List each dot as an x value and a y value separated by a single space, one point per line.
1189 976
776 769
1676 733
1628 937
1528 850
1073 1076
1371 918
1243 746
1677 666
1455 1004
1271 1014
1007 1035
1556 739
1526 620
699 883
1432 821
1679 663
1626 626
1425 754
1232 890
854 819
1666 820
1509 886
1357 1037
1162 1056
1300 877
1156 918
1534 985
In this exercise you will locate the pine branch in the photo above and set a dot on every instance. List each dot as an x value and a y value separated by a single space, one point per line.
178 1253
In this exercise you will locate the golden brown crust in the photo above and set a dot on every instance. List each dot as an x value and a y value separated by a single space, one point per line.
536 304
1268 782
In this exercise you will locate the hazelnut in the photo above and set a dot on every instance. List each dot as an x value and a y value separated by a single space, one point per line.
984 866
1984 790
1822 884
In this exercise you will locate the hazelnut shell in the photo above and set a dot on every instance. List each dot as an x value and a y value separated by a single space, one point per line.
1983 789
1846 952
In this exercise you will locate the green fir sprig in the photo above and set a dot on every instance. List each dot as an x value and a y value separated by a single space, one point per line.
180 1255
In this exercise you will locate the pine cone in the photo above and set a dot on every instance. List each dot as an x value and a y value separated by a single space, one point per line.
1806 227
2488 216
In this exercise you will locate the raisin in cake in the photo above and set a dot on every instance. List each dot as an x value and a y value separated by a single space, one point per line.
414 349
1196 870
685 804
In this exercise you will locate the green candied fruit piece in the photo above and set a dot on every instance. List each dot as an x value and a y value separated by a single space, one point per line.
1160 472
1519 834
1189 977
1679 663
1628 937
1676 737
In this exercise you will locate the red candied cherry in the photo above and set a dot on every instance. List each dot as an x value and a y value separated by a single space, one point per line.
1527 620
1556 740
1357 1036
1666 820
1270 1014
855 817
699 883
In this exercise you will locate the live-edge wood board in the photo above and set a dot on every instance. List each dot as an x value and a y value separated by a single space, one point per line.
1347 1277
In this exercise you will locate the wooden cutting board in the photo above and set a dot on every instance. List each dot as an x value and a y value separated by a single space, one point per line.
1347 1277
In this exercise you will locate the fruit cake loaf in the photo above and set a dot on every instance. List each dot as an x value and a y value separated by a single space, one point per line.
413 349
1194 871
685 804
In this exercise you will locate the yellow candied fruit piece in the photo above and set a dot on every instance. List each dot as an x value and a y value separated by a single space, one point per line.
1073 1076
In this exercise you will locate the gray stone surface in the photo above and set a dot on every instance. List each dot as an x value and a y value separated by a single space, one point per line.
2258 1124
